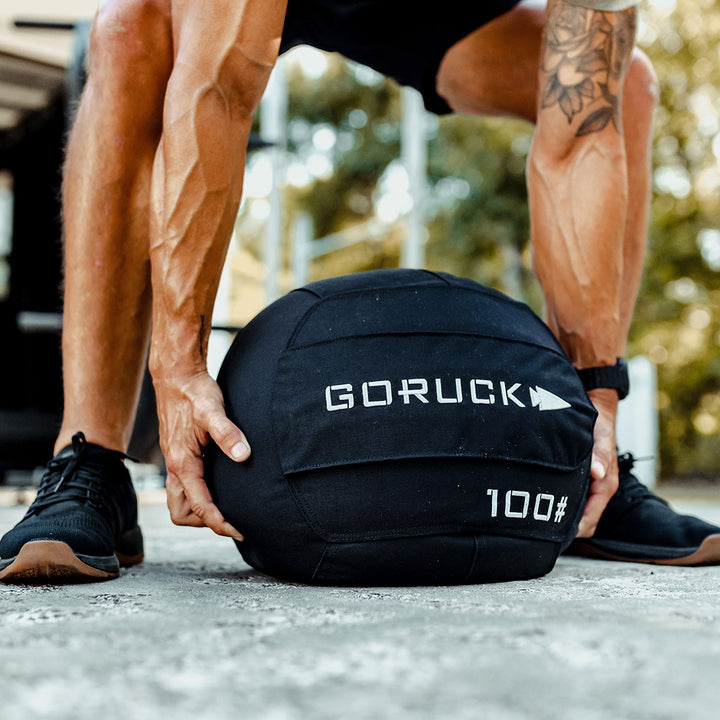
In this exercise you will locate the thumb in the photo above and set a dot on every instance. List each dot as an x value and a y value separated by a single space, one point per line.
229 438
598 468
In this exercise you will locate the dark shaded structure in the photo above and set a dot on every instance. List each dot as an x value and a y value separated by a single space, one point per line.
30 366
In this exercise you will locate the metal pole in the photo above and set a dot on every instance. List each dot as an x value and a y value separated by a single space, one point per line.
637 420
273 122
414 159
301 248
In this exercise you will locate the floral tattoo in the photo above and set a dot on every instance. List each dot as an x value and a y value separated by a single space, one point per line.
584 59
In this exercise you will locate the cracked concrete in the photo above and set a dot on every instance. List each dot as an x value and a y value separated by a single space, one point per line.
194 633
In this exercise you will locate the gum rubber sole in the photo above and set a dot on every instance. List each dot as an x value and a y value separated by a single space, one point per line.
708 553
52 563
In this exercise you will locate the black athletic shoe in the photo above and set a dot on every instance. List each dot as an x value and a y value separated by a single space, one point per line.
638 526
83 524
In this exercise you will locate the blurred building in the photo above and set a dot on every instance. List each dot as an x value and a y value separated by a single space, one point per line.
40 73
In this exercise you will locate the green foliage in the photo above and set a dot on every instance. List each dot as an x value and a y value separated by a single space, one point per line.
483 235
361 152
677 322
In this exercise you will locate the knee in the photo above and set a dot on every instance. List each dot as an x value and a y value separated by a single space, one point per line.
470 89
493 71
458 84
131 36
641 93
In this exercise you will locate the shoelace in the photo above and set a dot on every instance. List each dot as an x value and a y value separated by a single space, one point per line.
630 488
77 478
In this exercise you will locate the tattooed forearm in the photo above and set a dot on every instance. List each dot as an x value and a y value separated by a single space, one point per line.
584 58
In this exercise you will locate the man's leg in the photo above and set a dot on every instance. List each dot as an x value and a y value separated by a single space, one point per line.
640 99
493 72
106 214
83 524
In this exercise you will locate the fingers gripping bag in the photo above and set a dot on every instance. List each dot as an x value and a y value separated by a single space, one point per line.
407 427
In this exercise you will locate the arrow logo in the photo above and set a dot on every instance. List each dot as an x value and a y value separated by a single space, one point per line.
546 400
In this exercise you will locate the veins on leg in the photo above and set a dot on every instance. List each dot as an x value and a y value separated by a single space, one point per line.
584 58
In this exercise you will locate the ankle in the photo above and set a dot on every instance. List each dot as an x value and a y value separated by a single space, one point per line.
107 439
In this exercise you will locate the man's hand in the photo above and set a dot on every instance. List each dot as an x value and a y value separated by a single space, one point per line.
191 411
604 469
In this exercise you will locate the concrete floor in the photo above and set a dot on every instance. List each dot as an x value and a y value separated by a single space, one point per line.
193 633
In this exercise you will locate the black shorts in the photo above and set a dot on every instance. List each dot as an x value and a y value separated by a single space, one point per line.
403 39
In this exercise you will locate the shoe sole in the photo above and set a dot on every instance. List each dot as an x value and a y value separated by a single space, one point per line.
51 562
708 553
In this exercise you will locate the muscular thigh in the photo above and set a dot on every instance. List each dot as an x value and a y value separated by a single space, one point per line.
403 39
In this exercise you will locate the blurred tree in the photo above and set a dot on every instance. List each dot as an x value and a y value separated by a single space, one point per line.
352 116
677 323
483 231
